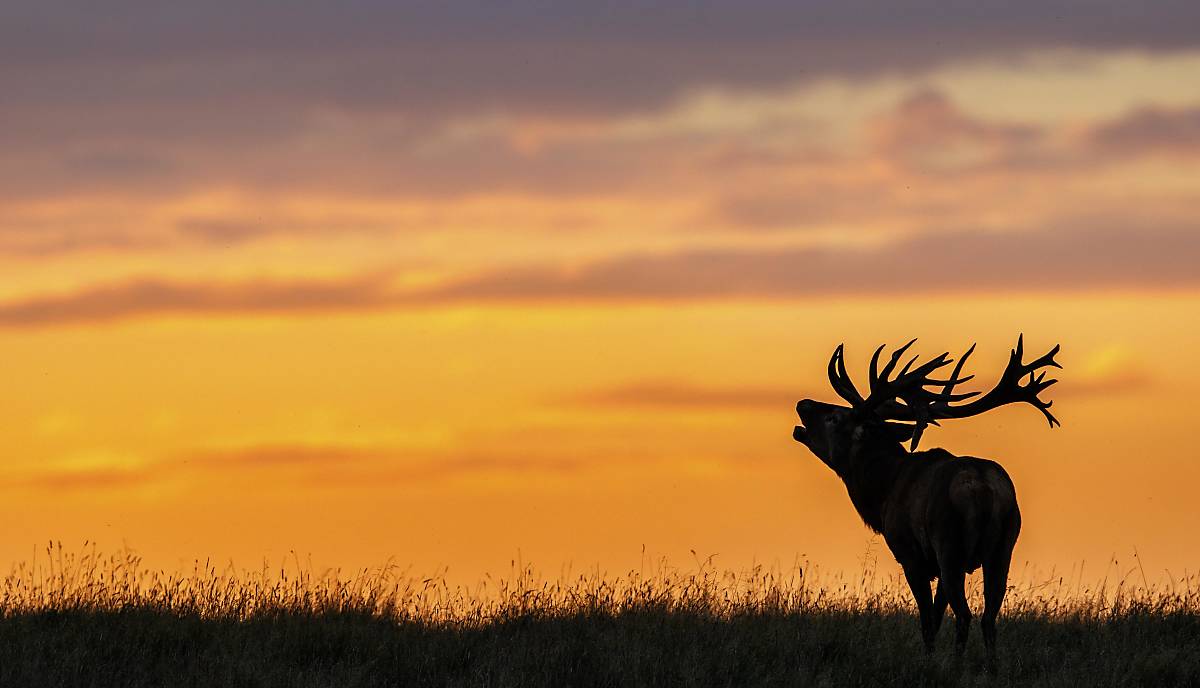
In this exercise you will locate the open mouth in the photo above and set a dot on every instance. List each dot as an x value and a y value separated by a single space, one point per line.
799 433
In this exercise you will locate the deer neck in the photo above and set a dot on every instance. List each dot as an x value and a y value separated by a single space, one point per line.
870 481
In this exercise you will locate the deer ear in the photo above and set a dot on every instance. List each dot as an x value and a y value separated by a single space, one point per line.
899 432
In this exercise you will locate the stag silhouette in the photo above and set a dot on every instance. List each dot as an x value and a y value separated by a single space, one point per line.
943 516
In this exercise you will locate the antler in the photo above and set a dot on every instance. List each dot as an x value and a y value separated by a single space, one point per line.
905 397
1010 390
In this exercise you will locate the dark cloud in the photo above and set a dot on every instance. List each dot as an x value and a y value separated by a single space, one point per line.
148 297
54 242
927 130
364 155
118 164
1070 258
945 263
692 39
153 151
1149 130
237 228
803 205
226 75
930 133
788 210
223 230
929 118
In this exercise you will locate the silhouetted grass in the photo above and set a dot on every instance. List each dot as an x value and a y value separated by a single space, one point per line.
92 620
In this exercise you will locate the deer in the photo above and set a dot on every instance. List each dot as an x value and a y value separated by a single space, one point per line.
942 516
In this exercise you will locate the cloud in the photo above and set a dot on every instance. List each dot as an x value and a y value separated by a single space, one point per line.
324 464
686 395
232 229
84 479
149 297
356 94
929 131
1149 130
1070 258
699 142
55 242
531 54
798 207
1009 262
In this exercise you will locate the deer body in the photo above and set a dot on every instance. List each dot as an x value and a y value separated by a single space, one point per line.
942 516
941 505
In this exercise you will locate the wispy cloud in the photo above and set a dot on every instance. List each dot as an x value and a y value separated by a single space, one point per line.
150 297
929 131
930 159
1150 129
975 262
305 463
83 479
1071 258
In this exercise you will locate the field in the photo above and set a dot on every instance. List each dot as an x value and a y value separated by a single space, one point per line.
84 619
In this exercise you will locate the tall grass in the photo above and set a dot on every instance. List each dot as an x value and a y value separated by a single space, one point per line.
88 618
91 580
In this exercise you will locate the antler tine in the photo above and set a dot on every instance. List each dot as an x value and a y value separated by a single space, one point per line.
891 364
954 379
908 365
873 368
929 366
1046 359
1050 416
845 376
839 379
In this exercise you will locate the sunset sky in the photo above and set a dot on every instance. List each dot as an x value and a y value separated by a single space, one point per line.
445 282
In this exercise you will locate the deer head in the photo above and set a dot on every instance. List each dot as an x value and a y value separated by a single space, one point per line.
899 408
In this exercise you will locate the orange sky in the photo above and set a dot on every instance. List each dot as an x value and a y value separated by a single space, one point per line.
262 299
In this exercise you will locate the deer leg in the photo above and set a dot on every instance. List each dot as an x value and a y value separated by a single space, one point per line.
995 584
939 608
952 579
919 583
